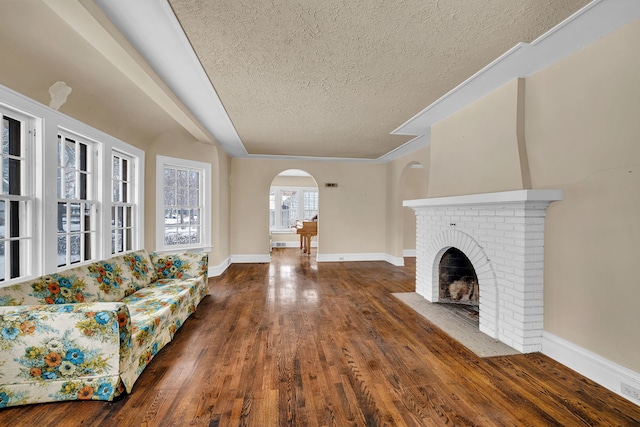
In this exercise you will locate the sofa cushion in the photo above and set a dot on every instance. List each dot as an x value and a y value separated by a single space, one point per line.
180 266
138 269
106 278
121 275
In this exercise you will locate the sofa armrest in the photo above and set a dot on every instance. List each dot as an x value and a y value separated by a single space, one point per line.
64 350
180 266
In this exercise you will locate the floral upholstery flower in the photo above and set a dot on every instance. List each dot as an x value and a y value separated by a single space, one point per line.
103 318
108 275
122 319
104 390
49 375
85 393
9 332
59 289
28 327
54 345
4 399
75 356
53 359
67 368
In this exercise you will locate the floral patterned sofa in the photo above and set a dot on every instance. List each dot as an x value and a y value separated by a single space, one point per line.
89 332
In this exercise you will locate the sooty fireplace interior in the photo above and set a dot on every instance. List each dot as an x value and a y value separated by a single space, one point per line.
458 280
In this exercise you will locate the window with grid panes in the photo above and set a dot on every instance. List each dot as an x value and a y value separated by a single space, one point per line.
185 203
310 201
290 204
77 223
16 202
122 208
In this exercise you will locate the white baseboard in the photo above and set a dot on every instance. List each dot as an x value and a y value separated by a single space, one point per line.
217 270
397 261
360 257
409 253
245 259
603 371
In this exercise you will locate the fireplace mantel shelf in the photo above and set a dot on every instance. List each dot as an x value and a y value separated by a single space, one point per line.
502 197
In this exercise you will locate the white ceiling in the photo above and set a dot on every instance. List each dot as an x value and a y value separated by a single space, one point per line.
356 80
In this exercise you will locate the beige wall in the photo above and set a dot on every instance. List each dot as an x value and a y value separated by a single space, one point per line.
476 150
582 132
397 173
352 216
415 187
221 207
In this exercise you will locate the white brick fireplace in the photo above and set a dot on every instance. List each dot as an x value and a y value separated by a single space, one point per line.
502 234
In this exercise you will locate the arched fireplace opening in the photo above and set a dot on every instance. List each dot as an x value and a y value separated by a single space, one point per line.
458 283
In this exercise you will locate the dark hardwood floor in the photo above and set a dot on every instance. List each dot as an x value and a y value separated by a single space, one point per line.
304 344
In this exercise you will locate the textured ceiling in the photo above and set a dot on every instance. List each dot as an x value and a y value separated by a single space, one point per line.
333 78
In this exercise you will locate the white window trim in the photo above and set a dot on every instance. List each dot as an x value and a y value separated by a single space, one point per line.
300 190
28 226
92 194
205 223
135 196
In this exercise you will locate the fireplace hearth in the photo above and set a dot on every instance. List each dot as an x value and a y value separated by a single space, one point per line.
502 237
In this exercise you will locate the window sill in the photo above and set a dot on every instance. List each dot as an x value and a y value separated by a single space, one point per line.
183 249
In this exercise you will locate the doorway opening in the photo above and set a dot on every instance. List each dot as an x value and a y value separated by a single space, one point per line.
294 211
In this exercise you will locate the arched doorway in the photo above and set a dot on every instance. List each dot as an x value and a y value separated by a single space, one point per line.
293 197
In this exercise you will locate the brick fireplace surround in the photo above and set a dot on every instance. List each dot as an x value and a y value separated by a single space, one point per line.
502 234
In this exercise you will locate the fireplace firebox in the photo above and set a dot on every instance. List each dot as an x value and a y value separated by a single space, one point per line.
458 282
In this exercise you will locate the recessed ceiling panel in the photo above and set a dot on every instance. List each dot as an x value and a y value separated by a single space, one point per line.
334 78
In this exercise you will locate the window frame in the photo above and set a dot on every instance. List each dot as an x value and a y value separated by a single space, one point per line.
116 205
87 202
26 263
205 204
